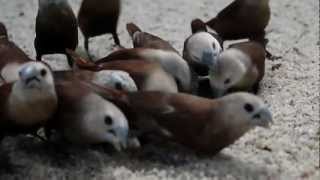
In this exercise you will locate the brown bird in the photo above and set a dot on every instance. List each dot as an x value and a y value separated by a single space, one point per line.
98 17
161 51
28 103
85 118
243 19
111 78
11 57
204 125
171 62
148 76
56 28
239 68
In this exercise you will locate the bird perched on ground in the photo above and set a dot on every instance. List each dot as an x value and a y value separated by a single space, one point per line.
56 28
85 118
148 76
208 125
243 19
28 103
111 78
11 57
97 17
201 48
172 63
160 51
239 68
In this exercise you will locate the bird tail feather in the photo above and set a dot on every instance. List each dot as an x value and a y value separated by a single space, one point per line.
132 28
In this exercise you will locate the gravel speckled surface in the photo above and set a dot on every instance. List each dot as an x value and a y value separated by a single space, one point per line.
289 150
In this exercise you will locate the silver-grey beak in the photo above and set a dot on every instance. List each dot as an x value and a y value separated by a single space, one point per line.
263 118
29 74
208 57
119 139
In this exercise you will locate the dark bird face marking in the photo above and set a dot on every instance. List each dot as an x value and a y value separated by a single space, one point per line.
118 86
108 120
248 107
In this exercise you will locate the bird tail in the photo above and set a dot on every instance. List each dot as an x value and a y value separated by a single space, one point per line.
197 25
132 28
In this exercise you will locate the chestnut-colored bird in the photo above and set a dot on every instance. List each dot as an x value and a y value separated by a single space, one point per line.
98 17
243 19
204 125
85 118
161 51
148 76
11 57
56 28
28 103
239 68
172 63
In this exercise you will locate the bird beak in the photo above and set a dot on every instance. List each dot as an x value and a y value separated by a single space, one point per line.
119 140
208 57
263 118
29 75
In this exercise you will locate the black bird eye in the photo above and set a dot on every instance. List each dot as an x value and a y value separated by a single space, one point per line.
249 108
227 81
43 72
214 45
108 120
118 86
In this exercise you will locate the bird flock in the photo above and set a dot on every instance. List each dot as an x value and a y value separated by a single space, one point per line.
203 99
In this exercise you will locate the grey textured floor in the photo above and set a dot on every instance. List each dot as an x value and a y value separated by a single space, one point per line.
289 150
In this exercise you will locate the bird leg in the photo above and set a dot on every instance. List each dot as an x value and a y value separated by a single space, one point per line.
260 38
116 39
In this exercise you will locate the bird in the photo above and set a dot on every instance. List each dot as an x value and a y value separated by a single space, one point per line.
241 67
11 57
85 118
112 78
171 63
161 51
201 48
232 23
206 126
28 103
98 17
56 28
146 74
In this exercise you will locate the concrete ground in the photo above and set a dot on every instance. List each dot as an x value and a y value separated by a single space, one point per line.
289 150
